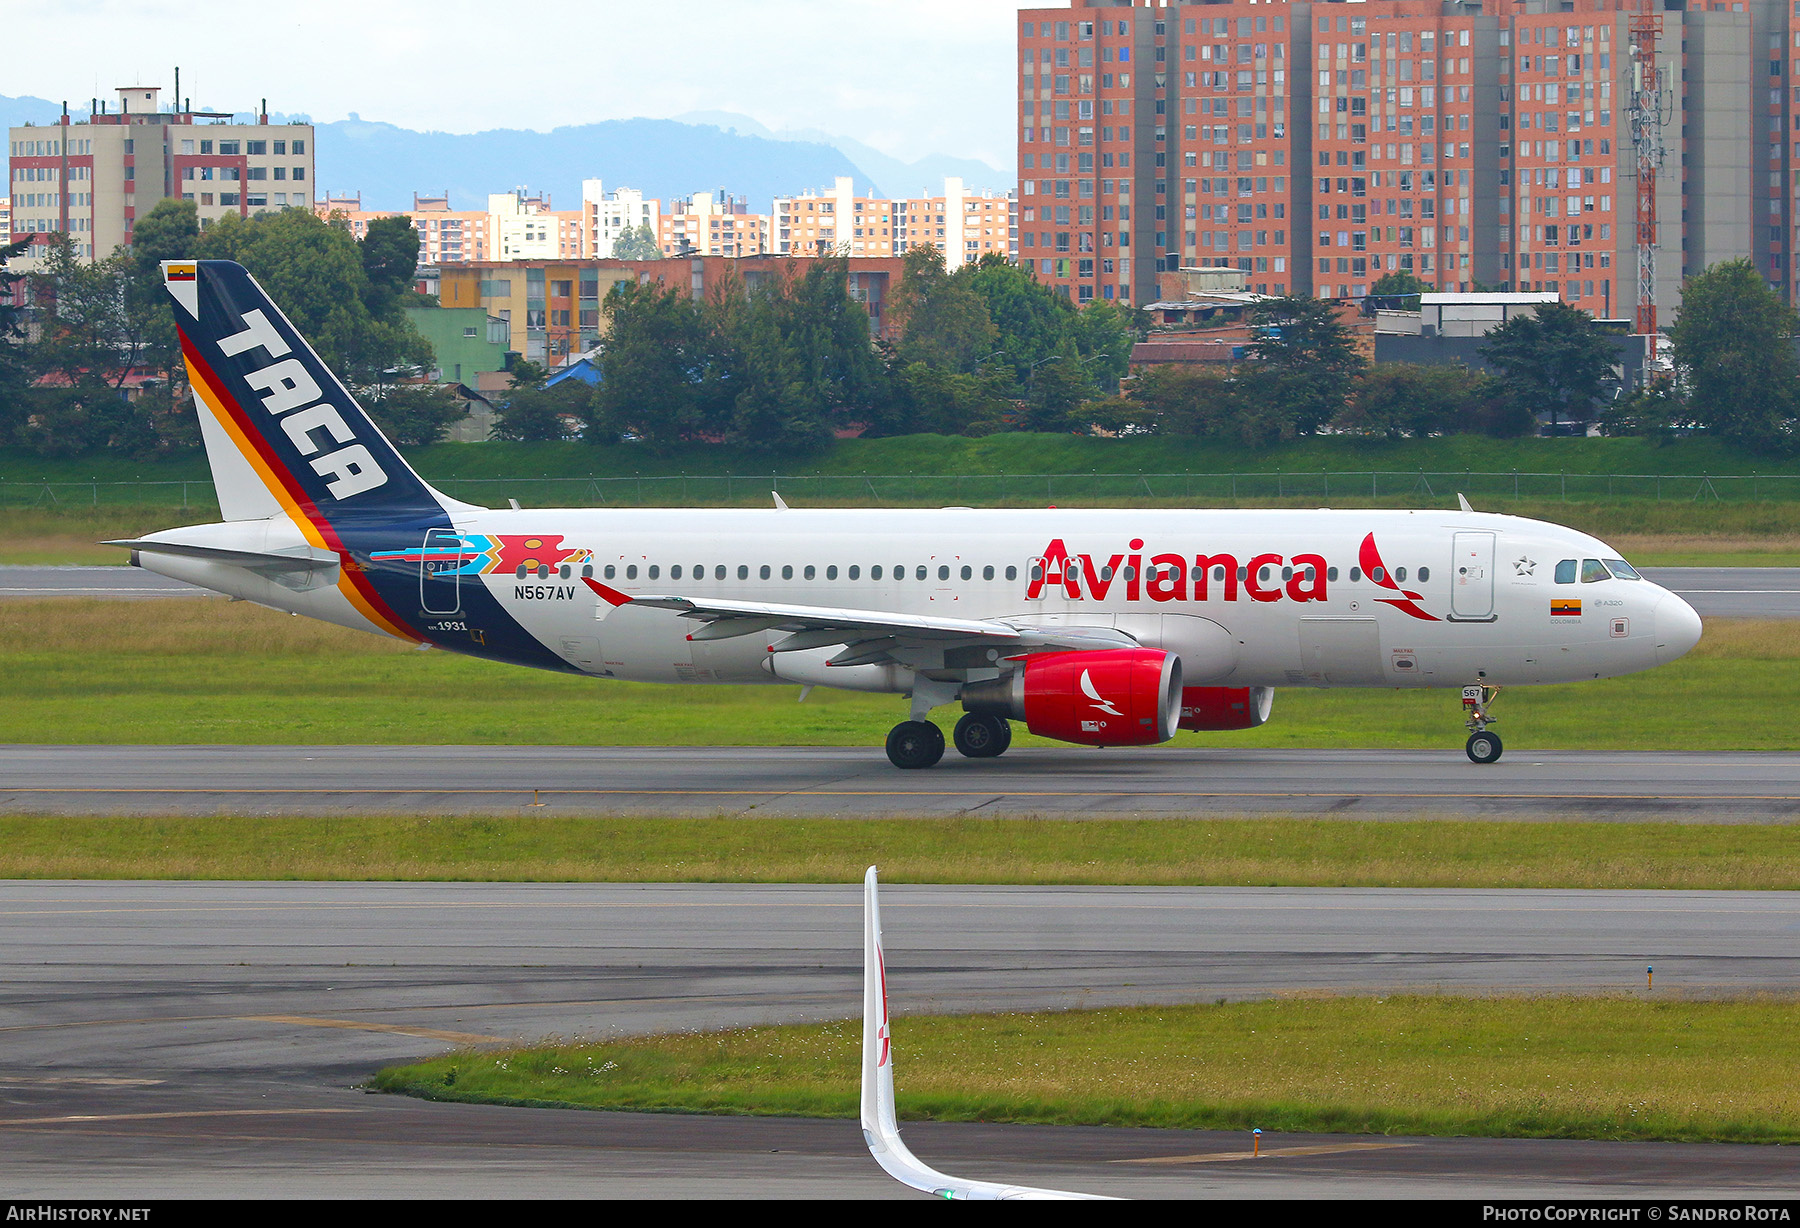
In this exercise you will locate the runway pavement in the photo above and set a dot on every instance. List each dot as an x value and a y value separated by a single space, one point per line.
168 1039
1716 592
859 782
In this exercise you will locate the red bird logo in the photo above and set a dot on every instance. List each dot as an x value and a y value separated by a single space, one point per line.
1376 570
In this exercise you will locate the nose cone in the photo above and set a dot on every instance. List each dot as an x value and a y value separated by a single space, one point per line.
1677 628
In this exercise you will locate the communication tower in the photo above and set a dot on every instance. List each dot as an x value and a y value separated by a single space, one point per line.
1646 86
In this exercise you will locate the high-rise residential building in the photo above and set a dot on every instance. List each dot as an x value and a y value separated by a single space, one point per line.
607 215
964 225
5 220
93 179
713 224
446 235
1318 146
525 227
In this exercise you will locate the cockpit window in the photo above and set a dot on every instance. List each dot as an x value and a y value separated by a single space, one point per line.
1565 572
1593 571
1622 569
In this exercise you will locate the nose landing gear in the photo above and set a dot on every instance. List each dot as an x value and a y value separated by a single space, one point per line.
1484 744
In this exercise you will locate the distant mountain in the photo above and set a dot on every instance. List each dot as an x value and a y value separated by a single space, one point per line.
667 159
659 157
893 176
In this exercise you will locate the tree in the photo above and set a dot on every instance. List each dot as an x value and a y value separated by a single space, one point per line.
532 413
390 261
637 243
1306 360
416 415
1400 282
1733 341
1399 400
943 321
1556 359
14 380
656 359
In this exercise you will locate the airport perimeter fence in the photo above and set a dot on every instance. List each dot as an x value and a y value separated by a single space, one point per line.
999 489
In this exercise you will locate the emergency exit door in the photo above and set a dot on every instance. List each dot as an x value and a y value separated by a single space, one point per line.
1472 578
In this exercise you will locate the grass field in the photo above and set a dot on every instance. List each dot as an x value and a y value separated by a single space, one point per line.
1547 1067
208 671
1251 852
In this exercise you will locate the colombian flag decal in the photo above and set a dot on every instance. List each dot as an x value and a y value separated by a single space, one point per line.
1565 607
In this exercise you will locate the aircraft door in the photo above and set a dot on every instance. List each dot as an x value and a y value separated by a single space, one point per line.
1472 578
440 572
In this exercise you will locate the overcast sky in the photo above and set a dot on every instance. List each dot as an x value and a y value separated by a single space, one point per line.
925 76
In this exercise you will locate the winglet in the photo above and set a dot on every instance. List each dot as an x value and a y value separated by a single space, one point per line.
780 503
881 1129
611 596
1462 502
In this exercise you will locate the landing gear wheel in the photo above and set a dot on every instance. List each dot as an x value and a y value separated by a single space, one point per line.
979 736
1484 747
915 744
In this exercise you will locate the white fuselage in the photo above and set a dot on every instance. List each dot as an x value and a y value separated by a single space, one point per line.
1461 596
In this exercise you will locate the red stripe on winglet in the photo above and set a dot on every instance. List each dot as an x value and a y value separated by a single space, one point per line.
611 596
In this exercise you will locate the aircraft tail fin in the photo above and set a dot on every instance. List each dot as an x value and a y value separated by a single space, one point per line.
282 432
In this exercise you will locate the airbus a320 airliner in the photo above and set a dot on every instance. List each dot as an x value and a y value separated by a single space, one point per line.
1096 627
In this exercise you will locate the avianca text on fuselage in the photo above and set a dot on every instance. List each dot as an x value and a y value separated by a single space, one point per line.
1133 576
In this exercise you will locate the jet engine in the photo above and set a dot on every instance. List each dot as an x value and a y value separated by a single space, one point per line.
1111 697
1225 707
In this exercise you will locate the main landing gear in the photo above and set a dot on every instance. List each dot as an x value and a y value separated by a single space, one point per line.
981 735
915 744
1484 744
920 744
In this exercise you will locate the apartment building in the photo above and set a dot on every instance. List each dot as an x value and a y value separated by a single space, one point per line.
964 225
1318 146
713 224
92 179
607 215
553 310
5 220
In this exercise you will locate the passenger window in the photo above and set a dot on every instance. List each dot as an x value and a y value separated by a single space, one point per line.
1219 575
1565 572
675 572
719 572
543 571
831 572
631 572
855 572
522 572
1012 573
787 571
1243 574
875 572
968 573
1130 574
1424 574
1355 574
1105 572
1331 573
1593 571
1262 574
655 571
1287 573
587 571
808 573
564 571
987 573
764 573
1622 570
743 571
1377 574
1198 574
1400 574
1037 571
609 571
943 573
920 573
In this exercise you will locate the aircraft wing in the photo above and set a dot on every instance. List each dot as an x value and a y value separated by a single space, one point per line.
881 1129
824 626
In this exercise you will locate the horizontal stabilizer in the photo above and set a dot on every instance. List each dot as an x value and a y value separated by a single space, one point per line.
313 558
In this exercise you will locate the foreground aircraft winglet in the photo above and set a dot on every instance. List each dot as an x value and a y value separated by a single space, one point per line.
880 1126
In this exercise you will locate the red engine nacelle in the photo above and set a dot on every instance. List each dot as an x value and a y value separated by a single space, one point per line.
1114 697
1225 707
